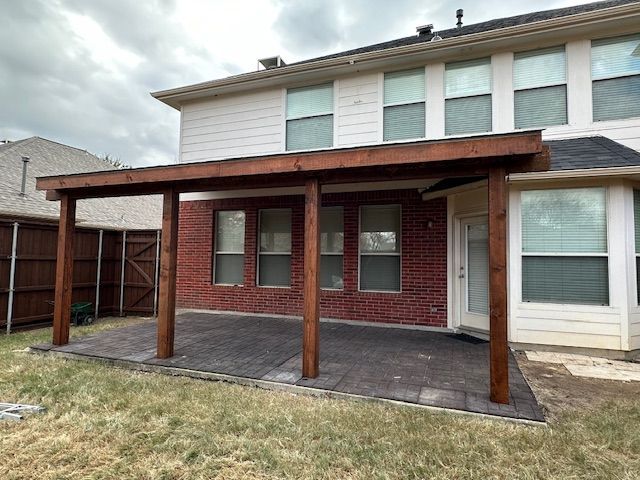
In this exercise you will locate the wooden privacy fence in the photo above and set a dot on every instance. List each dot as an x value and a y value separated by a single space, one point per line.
117 271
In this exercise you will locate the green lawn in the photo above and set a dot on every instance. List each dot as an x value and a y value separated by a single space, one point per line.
109 423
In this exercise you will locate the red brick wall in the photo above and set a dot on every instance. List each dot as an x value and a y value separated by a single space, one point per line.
423 300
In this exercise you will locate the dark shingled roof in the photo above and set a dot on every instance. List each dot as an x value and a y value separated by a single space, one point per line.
591 152
495 24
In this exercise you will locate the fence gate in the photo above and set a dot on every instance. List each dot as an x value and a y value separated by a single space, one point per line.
139 271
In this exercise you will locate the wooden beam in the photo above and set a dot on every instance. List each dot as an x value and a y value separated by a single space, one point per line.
168 269
499 350
311 334
496 145
64 271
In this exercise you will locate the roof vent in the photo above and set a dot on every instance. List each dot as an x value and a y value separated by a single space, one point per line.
424 29
459 14
435 38
271 62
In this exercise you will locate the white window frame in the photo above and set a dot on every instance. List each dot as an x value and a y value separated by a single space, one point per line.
396 104
334 254
259 253
384 254
606 254
216 252
546 85
322 114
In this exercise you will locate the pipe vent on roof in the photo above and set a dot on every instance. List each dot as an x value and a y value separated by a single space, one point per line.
459 14
23 188
271 62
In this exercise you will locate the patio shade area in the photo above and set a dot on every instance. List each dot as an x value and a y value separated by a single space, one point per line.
419 367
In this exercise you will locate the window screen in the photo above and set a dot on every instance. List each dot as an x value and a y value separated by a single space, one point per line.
380 247
274 251
615 70
404 104
229 248
310 117
468 97
539 80
564 246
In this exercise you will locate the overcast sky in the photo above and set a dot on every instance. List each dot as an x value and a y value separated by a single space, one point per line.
80 71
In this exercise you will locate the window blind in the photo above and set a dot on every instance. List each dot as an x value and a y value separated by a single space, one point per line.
274 256
380 273
614 57
472 77
229 248
478 269
380 247
310 117
616 98
540 107
406 86
539 68
404 105
331 247
467 115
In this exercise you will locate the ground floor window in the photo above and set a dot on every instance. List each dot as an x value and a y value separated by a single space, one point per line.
331 247
274 250
564 246
229 248
636 221
380 257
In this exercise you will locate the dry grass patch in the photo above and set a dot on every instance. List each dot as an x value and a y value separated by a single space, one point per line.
109 423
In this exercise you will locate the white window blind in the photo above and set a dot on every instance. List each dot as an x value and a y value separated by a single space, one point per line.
380 247
331 247
310 117
274 251
468 97
539 80
615 70
229 248
564 246
478 268
404 104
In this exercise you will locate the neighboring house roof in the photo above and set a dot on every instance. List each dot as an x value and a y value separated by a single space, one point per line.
487 26
590 152
51 158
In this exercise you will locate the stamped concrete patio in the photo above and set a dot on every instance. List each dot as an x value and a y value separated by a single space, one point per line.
418 367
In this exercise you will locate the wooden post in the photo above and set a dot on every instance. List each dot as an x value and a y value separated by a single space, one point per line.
64 270
311 336
168 267
499 350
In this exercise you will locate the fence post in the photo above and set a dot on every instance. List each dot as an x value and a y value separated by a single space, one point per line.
124 260
12 276
155 276
98 272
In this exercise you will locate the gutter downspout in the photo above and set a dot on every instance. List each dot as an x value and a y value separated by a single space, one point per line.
12 276
124 259
98 272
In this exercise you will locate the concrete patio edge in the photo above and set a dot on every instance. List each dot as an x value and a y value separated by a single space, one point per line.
271 385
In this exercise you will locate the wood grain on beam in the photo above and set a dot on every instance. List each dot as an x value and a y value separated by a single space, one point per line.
421 152
64 271
311 334
499 350
168 269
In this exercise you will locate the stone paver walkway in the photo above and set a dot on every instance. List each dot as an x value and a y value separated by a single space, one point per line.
420 367
591 367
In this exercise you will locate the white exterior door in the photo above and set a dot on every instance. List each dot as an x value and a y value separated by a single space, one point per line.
474 273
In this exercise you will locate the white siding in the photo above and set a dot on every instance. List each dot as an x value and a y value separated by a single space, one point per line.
232 126
357 112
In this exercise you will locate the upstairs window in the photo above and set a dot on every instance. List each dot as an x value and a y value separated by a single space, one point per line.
467 105
331 247
564 246
229 248
615 71
404 105
310 117
274 250
540 84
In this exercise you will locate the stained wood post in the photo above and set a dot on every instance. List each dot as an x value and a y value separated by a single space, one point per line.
311 335
499 350
168 267
64 270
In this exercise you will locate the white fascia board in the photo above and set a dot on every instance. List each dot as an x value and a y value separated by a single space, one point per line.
574 174
621 17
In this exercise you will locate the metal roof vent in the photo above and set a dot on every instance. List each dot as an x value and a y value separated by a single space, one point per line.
435 38
459 14
271 62
424 29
